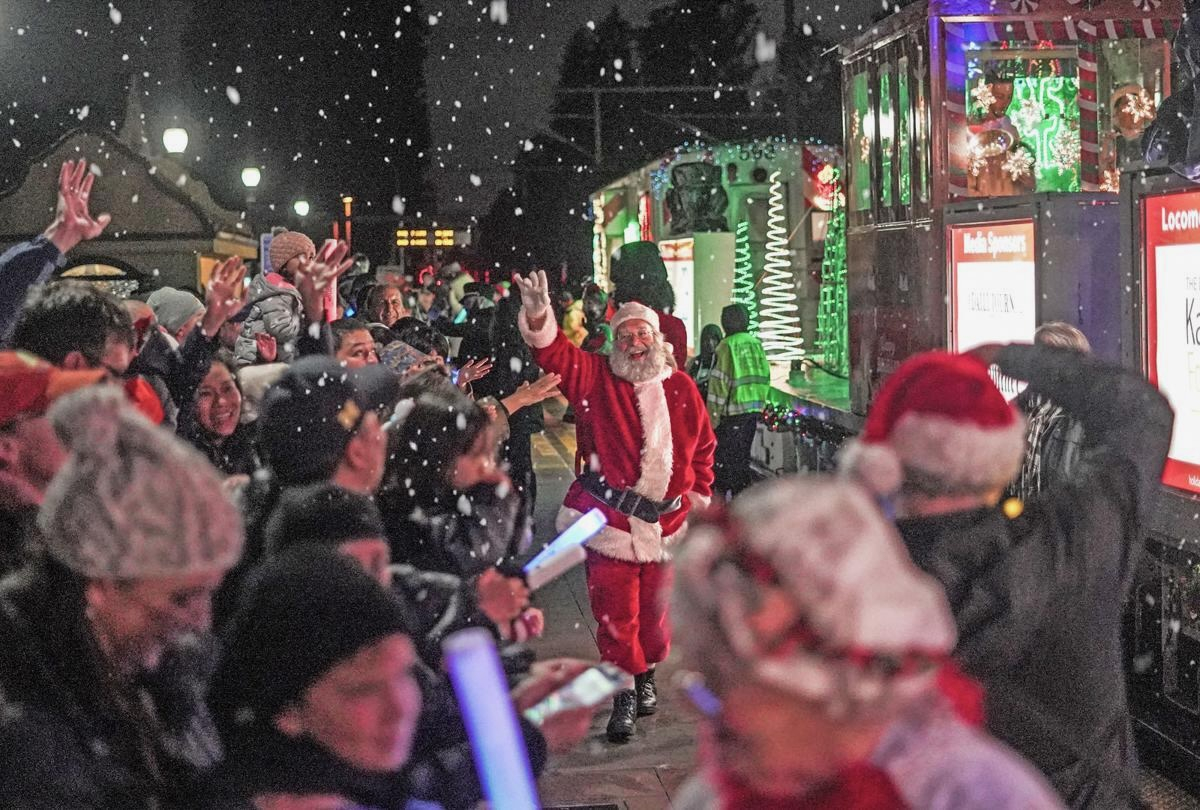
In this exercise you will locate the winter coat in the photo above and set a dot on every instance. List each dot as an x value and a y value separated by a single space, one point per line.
71 734
22 267
674 331
237 455
653 437
275 308
1053 442
927 760
1038 598
179 371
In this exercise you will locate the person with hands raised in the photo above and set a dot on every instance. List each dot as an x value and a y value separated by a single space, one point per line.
31 263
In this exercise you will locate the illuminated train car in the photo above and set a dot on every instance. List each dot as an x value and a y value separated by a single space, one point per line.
983 147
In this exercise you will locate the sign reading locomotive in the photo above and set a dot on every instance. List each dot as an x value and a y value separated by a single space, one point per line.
1171 238
993 297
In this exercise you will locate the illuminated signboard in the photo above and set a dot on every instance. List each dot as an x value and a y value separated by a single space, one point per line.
425 237
679 257
993 290
1171 230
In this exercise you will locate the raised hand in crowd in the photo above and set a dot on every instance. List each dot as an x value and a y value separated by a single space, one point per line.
473 370
535 296
225 295
73 223
314 276
268 347
531 393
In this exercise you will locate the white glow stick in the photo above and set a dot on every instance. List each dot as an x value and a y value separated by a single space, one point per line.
487 709
576 535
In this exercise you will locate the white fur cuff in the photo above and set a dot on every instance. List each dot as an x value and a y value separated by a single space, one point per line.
544 336
698 501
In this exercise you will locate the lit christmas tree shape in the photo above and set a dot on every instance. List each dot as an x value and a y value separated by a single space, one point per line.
779 323
832 317
743 273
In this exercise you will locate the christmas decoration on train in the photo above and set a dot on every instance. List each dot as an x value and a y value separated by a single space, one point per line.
743 273
833 334
779 321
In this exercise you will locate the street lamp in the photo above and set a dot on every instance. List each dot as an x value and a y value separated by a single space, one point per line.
251 177
301 207
175 140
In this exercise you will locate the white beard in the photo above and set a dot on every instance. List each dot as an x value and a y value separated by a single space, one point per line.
639 371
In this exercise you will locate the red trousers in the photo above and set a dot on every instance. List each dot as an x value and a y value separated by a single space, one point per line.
629 601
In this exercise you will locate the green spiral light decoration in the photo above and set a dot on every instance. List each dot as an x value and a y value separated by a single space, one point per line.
743 273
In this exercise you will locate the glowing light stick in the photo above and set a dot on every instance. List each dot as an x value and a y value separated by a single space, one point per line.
565 551
496 742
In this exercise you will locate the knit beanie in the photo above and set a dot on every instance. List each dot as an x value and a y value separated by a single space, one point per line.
301 613
323 513
939 422
633 262
132 500
804 585
173 308
286 246
632 311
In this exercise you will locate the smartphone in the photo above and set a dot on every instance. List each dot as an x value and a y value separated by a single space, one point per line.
590 688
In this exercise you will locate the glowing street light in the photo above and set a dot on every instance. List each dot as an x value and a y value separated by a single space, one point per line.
301 207
175 140
251 177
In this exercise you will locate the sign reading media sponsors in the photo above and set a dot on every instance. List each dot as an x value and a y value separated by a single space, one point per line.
993 288
1171 231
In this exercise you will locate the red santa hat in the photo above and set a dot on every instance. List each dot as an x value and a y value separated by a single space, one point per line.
940 417
634 311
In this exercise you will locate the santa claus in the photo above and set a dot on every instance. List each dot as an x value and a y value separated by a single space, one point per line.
651 452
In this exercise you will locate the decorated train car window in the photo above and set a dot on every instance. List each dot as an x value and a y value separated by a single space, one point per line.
860 141
887 137
922 130
903 133
1023 123
1134 79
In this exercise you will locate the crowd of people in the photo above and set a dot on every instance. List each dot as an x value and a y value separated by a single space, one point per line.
237 528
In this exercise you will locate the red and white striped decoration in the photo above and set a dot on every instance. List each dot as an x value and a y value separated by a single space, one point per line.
1146 6
1023 6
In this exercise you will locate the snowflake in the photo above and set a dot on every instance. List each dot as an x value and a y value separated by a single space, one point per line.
1031 113
1064 151
1018 164
982 93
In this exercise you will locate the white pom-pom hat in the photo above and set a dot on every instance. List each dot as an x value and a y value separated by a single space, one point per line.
940 416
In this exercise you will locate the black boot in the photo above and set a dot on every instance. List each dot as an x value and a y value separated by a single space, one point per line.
624 715
647 693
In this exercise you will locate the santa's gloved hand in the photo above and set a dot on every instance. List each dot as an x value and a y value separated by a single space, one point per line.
535 293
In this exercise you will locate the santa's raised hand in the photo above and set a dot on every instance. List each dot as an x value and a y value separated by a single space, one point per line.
535 294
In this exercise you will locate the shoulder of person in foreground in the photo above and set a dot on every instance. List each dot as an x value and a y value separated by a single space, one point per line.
951 766
43 765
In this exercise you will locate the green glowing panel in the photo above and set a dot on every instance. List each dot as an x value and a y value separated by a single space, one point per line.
904 122
862 133
833 333
887 129
1045 112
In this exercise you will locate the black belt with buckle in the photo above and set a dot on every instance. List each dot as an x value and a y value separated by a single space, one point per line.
626 501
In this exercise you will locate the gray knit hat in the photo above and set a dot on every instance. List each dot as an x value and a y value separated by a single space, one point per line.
133 501
173 308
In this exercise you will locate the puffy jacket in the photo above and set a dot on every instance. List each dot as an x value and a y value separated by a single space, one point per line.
1038 598
275 308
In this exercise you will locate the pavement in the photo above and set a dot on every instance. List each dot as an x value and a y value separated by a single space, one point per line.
644 773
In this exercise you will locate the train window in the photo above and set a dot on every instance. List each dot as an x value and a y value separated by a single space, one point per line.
903 133
887 137
1023 119
922 129
1134 79
861 140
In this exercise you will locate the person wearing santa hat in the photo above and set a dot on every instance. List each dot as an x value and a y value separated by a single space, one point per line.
1037 588
651 455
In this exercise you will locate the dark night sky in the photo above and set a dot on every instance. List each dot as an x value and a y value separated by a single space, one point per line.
497 81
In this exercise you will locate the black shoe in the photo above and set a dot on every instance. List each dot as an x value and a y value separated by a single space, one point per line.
624 715
647 693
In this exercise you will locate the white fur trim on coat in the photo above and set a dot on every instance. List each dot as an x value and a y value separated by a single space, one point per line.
657 461
966 457
646 547
542 337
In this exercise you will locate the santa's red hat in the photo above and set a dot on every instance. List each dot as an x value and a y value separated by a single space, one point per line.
941 418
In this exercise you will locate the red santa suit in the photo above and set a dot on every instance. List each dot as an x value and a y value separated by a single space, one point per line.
654 438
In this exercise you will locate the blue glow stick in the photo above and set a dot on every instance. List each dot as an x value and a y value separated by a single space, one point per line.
501 759
576 534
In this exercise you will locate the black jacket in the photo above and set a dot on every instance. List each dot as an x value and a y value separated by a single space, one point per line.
1038 598
237 455
178 371
71 735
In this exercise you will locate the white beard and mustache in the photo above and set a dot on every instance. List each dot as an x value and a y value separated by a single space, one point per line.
657 358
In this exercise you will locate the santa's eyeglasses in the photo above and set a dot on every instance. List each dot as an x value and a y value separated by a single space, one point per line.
640 336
